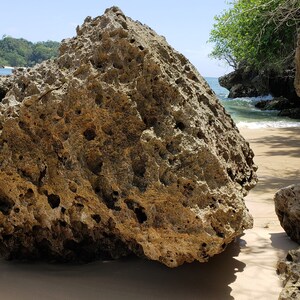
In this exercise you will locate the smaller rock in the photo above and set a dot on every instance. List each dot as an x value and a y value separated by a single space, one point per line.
293 113
245 82
289 271
278 103
287 207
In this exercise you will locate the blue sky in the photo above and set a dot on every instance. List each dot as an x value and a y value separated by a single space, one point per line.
185 24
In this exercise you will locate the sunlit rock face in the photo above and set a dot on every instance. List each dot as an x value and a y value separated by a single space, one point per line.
119 146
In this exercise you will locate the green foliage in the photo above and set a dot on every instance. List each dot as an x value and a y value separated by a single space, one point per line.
22 53
260 33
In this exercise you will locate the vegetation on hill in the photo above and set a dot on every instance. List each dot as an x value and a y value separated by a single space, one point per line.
22 53
259 33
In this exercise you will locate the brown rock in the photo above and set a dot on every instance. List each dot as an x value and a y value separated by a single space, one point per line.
289 271
287 207
119 146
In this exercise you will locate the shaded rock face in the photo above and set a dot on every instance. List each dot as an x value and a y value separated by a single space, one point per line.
119 146
287 207
289 272
244 82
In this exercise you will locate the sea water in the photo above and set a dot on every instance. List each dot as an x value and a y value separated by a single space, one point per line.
244 112
5 72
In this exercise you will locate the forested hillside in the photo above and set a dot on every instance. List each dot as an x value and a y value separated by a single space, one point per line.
22 53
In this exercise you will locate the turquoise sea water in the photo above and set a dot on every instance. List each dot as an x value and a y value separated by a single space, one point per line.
244 113
242 110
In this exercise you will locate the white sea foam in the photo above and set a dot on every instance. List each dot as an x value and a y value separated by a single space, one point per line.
268 124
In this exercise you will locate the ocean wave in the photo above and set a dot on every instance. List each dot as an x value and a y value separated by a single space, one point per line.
268 124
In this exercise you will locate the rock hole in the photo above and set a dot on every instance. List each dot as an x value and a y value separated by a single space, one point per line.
132 41
179 125
187 68
78 111
89 134
79 205
29 193
53 200
204 245
42 176
2 94
220 234
73 187
109 198
138 210
63 210
118 65
96 217
141 47
140 215
171 148
99 99
6 205
139 167
62 223
230 173
150 121
95 166
179 81
124 25
22 125
200 135
289 257
65 135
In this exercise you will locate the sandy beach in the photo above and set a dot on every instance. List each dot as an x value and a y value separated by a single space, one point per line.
246 270
277 154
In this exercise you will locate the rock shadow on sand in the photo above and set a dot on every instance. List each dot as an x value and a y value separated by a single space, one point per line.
129 278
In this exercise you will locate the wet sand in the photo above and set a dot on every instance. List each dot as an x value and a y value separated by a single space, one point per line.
246 270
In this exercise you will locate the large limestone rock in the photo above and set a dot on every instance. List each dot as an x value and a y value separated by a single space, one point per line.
119 146
287 207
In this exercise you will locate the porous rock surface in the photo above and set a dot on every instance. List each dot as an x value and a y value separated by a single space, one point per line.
287 207
289 271
119 146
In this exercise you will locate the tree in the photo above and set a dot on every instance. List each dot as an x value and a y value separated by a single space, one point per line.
259 33
22 53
